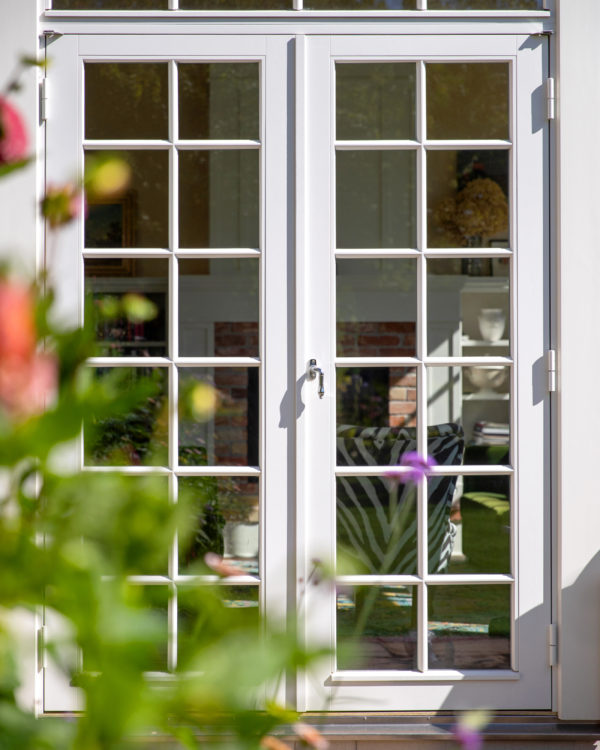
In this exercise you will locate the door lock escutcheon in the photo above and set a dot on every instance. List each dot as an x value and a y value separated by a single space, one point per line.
313 371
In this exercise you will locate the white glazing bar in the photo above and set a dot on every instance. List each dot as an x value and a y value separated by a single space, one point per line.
479 252
173 413
173 162
382 145
421 4
174 551
146 471
219 252
244 580
487 579
370 253
172 629
131 145
422 630
218 471
474 470
217 361
118 252
379 362
374 580
489 145
298 4
451 361
238 145
432 675
540 15
173 327
173 4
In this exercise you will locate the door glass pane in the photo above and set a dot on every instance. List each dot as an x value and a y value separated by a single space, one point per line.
136 438
476 397
218 307
485 4
224 520
375 101
218 416
376 199
218 100
126 100
467 100
360 4
467 198
236 4
114 287
376 627
140 217
481 516
469 627
377 525
468 314
218 199
376 308
372 404
110 4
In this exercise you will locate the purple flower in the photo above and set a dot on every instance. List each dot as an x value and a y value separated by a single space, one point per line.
469 738
417 468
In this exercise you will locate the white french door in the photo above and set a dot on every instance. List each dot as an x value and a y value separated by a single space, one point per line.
377 204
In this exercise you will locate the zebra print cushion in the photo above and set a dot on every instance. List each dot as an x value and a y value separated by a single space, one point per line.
376 516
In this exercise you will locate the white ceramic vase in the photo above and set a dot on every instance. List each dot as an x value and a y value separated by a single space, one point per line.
491 323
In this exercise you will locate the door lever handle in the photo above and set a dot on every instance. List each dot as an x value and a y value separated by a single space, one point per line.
313 371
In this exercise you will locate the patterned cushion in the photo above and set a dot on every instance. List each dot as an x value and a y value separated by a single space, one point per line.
376 517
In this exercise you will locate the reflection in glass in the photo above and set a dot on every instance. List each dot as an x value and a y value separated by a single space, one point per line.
213 610
467 204
218 199
140 218
137 438
218 308
375 100
376 308
110 4
376 398
478 398
218 100
376 199
147 501
224 520
463 320
485 4
360 4
469 627
481 514
218 416
113 285
126 100
376 627
467 100
377 525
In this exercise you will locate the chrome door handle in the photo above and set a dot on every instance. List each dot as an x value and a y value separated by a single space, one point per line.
313 371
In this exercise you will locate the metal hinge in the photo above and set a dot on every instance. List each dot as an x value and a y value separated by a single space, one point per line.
41 647
552 643
550 99
44 99
551 369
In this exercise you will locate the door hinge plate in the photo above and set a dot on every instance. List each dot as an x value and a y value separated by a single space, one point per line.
44 99
552 644
551 369
550 99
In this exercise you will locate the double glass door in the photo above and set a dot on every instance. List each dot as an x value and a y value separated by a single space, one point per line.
343 237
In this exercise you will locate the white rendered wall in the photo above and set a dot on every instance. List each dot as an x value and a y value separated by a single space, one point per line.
18 37
579 359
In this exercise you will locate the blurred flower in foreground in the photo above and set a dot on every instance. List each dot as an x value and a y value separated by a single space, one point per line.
106 177
13 136
203 401
418 468
219 565
28 378
272 743
62 204
311 736
468 729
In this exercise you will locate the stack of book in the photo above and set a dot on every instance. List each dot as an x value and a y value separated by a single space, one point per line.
491 433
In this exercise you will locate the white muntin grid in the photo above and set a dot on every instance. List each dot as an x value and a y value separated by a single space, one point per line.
299 5
422 361
173 362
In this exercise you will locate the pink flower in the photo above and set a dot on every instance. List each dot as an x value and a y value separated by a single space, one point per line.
13 136
62 204
28 378
417 468
311 736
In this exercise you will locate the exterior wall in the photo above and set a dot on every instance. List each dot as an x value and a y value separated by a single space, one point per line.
579 360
